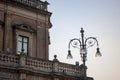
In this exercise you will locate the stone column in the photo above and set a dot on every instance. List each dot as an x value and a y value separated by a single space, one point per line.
22 59
23 76
7 33
22 64
1 38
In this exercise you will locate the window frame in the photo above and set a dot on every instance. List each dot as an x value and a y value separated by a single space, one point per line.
22 44
27 31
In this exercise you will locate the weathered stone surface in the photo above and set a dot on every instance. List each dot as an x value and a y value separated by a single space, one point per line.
29 18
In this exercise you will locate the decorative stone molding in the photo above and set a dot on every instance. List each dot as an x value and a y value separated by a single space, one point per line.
24 27
24 30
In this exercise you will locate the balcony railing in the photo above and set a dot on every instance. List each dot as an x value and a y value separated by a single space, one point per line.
29 63
36 4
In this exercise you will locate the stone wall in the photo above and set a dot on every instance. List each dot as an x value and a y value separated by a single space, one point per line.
14 14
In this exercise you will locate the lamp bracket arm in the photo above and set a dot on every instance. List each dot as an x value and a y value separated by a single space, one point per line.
90 41
74 42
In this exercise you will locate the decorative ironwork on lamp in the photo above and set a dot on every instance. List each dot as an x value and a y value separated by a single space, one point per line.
83 44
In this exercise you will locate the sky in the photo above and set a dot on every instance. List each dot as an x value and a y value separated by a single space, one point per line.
100 19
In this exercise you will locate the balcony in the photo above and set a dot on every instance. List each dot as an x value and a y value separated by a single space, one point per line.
25 63
34 5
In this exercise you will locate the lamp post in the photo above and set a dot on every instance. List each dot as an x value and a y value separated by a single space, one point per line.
83 44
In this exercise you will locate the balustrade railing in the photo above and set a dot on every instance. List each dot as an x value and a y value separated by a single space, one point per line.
39 64
33 3
69 69
9 59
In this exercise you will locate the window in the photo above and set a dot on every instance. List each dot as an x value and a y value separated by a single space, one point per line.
23 44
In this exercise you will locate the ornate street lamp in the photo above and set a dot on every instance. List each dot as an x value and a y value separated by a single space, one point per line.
83 44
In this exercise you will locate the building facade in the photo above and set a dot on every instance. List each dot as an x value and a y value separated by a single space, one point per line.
24 44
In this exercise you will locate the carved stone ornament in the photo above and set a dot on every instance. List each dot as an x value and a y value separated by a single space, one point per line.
24 27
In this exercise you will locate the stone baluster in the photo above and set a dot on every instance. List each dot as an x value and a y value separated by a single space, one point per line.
22 58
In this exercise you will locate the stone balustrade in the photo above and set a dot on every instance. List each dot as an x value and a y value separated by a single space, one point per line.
7 59
33 3
39 64
69 69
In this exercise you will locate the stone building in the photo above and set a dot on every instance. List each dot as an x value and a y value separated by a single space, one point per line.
24 44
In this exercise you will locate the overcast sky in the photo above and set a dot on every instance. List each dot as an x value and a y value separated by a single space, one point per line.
99 18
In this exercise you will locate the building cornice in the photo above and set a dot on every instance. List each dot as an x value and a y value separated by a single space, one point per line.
36 7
